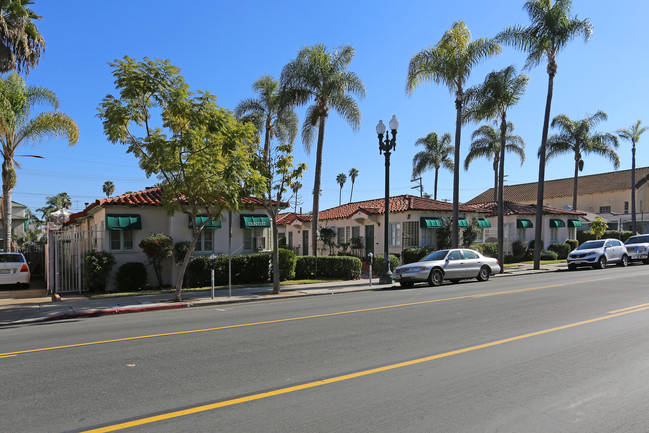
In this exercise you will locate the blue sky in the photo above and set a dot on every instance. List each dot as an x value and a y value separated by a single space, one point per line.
224 47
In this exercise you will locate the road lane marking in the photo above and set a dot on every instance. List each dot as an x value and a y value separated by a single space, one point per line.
317 383
292 319
629 308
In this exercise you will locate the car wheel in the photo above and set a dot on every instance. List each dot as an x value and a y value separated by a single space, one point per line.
646 261
455 280
406 285
624 262
435 278
572 267
484 273
601 263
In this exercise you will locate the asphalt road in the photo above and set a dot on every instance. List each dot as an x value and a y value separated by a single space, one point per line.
555 352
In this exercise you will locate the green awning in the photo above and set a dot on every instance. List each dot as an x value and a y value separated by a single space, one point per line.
200 220
524 224
123 222
430 222
574 223
254 221
484 223
557 223
462 222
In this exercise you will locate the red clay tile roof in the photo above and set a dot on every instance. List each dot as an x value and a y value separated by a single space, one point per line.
590 184
288 218
512 208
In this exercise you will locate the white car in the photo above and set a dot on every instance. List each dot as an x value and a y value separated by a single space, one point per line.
598 254
453 265
638 248
14 269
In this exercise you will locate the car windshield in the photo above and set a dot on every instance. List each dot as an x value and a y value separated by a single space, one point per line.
435 255
637 240
11 258
591 244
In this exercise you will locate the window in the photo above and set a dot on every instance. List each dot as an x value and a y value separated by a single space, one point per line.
348 232
454 255
554 234
395 235
427 237
205 242
340 235
468 254
410 233
290 239
604 209
121 240
249 236
626 207
521 234
356 231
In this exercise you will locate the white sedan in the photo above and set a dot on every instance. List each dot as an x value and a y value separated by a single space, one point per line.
14 269
453 265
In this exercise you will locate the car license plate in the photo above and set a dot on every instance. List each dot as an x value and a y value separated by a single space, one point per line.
5 271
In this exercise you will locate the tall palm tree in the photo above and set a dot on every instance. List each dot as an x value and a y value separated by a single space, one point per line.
340 180
108 188
436 154
322 76
491 100
551 29
632 134
296 189
450 63
271 113
577 137
486 144
56 202
16 128
353 174
21 44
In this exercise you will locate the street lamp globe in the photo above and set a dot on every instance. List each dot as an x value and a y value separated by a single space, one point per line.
394 123
380 128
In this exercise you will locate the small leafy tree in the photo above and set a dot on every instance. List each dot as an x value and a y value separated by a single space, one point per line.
203 157
327 235
444 234
158 247
97 267
598 227
470 234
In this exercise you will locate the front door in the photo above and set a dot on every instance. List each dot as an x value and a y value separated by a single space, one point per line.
369 239
305 242
454 267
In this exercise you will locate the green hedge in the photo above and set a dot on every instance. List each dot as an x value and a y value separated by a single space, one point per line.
131 276
584 236
548 255
574 243
378 263
287 261
562 250
411 255
489 249
333 267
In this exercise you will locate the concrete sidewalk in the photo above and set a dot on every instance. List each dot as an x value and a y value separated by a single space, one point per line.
33 305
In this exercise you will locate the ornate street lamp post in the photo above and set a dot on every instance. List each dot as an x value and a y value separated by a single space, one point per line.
385 146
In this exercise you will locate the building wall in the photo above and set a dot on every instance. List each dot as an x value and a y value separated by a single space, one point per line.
550 236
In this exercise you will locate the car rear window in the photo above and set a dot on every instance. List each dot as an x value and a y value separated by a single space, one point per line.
11 258
637 240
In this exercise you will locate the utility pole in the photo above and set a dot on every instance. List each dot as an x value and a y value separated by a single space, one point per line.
420 187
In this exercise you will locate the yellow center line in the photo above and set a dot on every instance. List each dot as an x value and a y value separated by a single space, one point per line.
628 308
287 390
291 319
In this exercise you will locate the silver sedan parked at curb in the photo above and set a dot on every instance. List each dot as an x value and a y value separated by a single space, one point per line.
453 265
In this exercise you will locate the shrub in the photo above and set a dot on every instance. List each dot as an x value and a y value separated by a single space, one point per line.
562 250
378 264
158 247
180 249
573 243
131 276
328 267
287 260
584 236
519 249
411 255
489 249
97 267
199 272
531 245
548 255
510 259
470 234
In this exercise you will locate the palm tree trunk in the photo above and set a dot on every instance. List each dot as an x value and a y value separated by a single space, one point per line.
340 196
455 237
633 222
316 184
538 230
7 169
496 162
436 177
501 195
575 186
351 193
276 279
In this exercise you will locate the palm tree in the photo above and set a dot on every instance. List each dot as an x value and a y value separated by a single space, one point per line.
54 203
576 136
340 180
16 128
486 144
551 29
436 154
450 63
108 188
21 44
322 76
632 134
270 113
491 100
296 189
353 174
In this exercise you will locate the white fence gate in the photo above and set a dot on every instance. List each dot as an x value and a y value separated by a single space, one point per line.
69 249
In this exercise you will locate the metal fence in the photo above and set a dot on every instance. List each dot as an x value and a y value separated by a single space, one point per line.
67 251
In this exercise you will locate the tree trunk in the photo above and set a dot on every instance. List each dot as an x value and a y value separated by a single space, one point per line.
538 230
183 266
352 192
7 187
436 177
575 185
316 184
496 162
276 280
455 237
633 222
501 195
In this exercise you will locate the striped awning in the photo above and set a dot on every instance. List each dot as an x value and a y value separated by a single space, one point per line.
254 221
524 224
484 223
123 222
200 220
430 222
554 223
574 223
462 222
